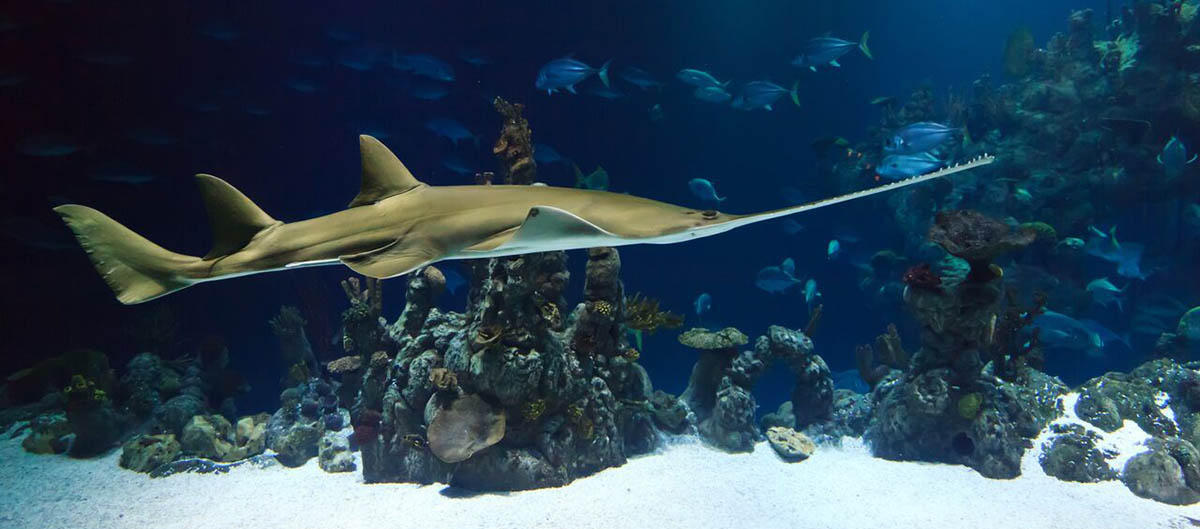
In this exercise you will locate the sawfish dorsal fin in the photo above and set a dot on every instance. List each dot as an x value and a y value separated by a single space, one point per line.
233 217
395 259
382 173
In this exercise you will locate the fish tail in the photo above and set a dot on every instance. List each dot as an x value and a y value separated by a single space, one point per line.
135 269
862 45
795 92
603 73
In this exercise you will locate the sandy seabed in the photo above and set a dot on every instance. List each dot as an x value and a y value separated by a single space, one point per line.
684 485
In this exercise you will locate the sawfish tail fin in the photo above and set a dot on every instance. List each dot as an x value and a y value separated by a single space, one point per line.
135 269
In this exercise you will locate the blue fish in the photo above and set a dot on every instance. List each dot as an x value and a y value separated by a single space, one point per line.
1059 331
1126 255
712 94
778 279
827 50
639 78
1174 156
451 129
811 294
567 72
700 79
424 65
1105 293
605 92
901 166
833 250
704 190
456 163
762 94
48 146
918 138
454 280
427 89
850 379
545 154
474 57
702 304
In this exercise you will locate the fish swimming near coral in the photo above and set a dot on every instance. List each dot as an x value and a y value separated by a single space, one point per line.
897 166
700 79
778 279
827 50
703 303
1104 293
397 224
919 137
712 94
762 94
1174 156
565 73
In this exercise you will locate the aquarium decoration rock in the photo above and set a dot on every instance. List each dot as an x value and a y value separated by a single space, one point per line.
791 445
467 426
144 453
48 434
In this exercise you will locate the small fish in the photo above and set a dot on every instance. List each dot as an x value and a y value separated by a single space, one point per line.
702 304
1127 256
427 89
884 101
1174 157
833 250
121 175
704 190
700 79
811 294
220 31
827 50
712 94
1060 331
1104 293
901 166
474 57
456 163
919 138
451 129
656 113
48 146
762 94
106 58
565 73
424 65
777 279
303 86
605 92
597 180
359 59
792 227
454 280
639 78
545 154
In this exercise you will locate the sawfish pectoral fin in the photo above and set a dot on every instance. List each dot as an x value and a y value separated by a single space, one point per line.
395 259
547 228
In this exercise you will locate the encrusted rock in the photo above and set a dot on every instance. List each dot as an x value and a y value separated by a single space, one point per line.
333 453
1158 476
144 453
48 434
213 437
789 444
704 339
1073 456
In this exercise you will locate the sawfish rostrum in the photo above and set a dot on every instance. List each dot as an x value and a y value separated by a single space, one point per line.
397 224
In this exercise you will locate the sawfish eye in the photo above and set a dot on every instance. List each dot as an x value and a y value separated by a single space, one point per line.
709 214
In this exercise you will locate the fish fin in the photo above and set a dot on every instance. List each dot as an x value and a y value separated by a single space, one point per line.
545 228
135 269
571 89
1159 158
862 45
394 259
768 108
795 92
835 64
603 73
382 173
1194 156
813 68
788 266
233 217
1112 235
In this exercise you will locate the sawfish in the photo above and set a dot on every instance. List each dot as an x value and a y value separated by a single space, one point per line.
397 224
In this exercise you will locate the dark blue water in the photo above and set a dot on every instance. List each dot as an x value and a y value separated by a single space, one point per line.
296 154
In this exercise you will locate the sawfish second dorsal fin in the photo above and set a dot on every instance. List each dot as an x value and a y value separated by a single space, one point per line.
233 217
382 173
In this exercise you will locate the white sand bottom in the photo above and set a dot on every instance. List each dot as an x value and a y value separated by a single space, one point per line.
686 485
